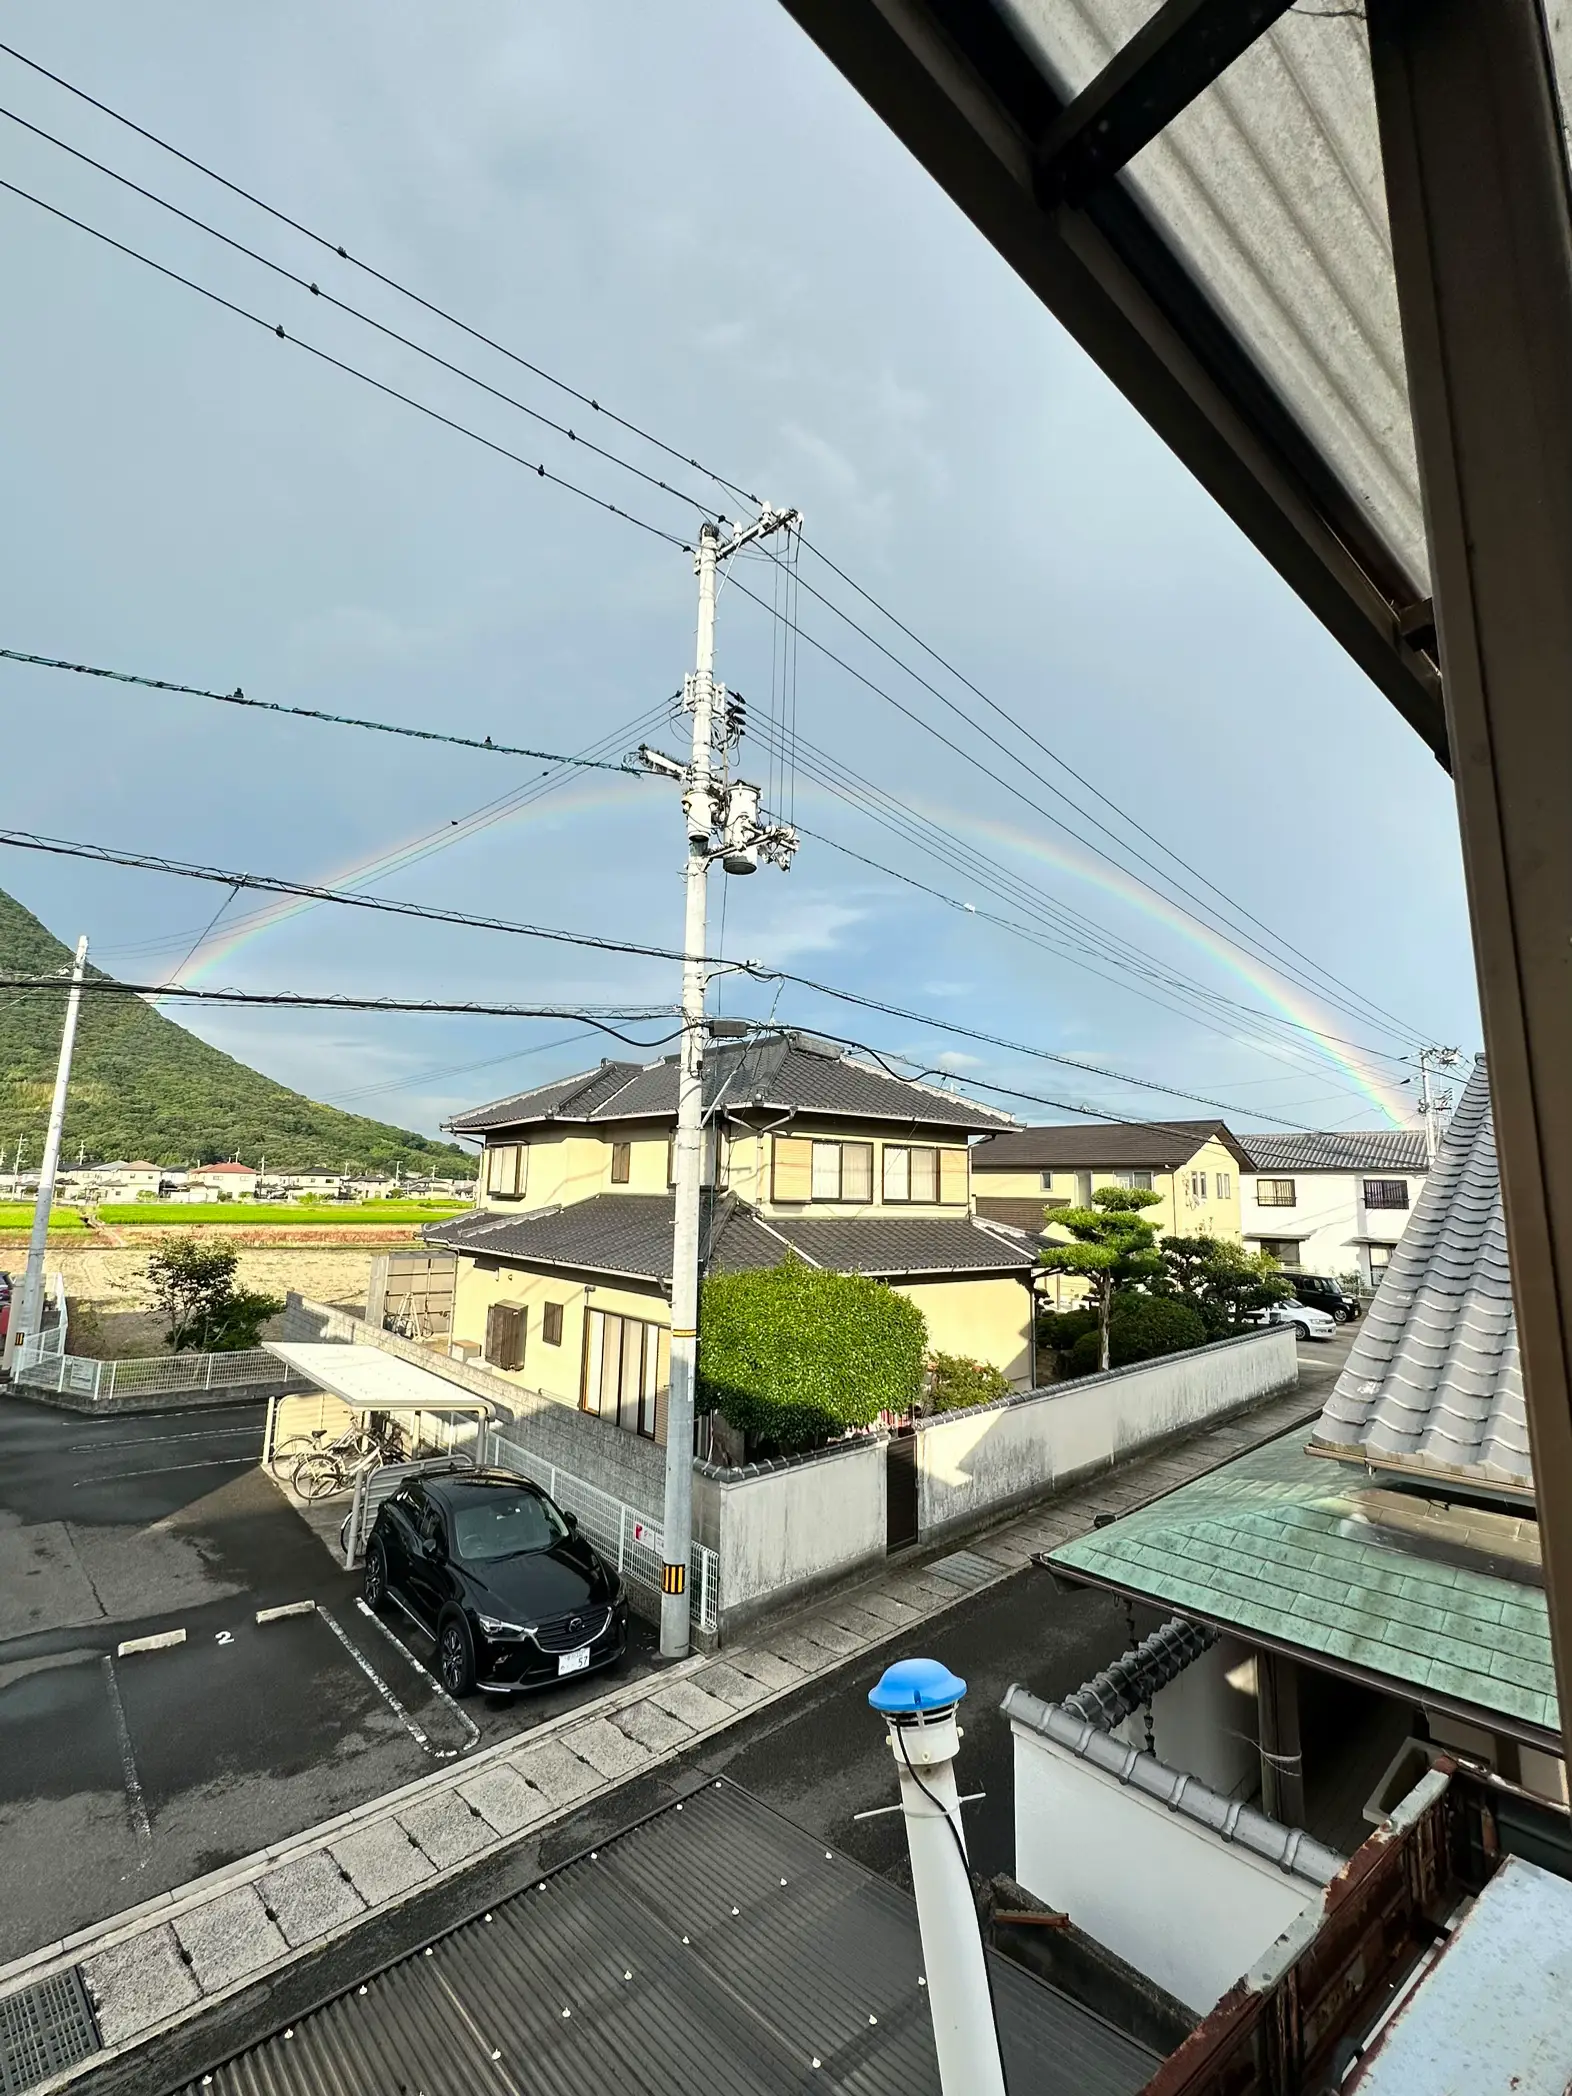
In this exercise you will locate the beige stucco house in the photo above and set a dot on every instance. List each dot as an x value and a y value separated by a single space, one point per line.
1194 1167
564 1267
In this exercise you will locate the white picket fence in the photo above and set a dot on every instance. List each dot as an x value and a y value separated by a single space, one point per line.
39 1366
627 1538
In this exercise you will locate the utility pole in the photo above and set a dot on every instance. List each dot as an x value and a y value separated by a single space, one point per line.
32 1303
723 821
1433 1104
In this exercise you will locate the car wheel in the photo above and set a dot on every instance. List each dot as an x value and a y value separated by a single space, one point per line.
1339 1315
455 1656
375 1580
1300 1331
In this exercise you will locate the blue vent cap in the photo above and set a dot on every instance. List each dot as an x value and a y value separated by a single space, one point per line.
916 1685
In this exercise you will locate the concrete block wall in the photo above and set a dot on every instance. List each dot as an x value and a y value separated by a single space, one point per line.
784 1529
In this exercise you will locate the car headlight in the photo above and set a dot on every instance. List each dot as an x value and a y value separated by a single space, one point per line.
494 1627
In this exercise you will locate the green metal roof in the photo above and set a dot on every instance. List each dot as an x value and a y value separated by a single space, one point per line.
1278 1543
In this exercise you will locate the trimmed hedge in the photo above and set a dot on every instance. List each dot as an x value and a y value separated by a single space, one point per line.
1141 1328
793 1356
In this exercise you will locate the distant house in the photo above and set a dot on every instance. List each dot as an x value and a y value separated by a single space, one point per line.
238 1181
1380 1583
1194 1167
564 1271
125 1181
1333 1204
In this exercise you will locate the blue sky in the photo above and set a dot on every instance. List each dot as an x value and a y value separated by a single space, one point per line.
687 214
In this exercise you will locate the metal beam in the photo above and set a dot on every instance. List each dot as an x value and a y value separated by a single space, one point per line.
1170 60
1477 193
964 97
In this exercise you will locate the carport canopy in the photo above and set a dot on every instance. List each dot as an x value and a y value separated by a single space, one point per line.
368 1380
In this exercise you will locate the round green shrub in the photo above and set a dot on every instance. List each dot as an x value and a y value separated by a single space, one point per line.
955 1382
1058 1330
1141 1327
793 1356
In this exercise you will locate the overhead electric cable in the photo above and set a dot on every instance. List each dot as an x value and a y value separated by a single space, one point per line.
312 713
392 283
462 429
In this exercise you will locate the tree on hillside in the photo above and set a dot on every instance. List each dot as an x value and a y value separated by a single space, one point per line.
1112 1247
194 1284
1221 1280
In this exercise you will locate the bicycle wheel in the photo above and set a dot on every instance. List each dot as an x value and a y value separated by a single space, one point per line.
318 1477
288 1453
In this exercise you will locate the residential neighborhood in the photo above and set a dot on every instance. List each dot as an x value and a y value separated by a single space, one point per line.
770 1322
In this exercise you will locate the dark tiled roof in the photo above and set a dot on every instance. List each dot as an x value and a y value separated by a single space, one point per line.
630 1234
1103 1146
778 1074
1432 1383
710 1946
1360 1150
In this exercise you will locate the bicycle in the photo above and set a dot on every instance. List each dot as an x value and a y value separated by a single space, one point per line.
325 1464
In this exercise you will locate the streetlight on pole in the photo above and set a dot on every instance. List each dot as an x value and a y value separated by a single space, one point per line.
723 821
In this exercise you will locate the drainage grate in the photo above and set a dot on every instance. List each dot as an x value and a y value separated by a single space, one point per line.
44 2029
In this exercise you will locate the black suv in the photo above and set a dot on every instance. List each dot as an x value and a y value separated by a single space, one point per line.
1321 1292
498 1575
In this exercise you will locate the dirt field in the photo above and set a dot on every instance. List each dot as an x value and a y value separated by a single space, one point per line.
108 1296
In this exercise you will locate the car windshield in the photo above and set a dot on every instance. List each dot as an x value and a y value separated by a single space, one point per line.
504 1524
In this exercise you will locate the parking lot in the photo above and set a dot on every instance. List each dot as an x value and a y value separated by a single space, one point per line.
151 1726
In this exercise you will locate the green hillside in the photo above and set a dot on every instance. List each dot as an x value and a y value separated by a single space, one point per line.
141 1086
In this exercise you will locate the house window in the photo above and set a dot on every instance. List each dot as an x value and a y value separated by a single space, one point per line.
1225 1185
505 1333
551 1324
621 1163
1274 1193
1143 1180
507 1170
911 1174
626 1368
1380 1260
1047 1182
1386 1193
842 1172
1285 1250
1198 1186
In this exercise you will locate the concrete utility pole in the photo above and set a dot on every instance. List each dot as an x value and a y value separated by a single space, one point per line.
32 1304
723 822
1433 1104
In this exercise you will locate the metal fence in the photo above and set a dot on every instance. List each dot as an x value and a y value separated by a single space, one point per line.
629 1539
39 1367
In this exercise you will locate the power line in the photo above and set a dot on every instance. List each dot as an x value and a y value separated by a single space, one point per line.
462 429
430 1075
561 429
152 863
338 720
392 283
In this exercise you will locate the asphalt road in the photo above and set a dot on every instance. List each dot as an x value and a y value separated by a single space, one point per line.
124 1773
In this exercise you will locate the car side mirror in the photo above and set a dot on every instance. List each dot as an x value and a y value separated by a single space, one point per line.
573 1522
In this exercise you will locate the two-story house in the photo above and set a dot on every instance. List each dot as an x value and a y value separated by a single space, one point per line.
1336 1203
564 1269
1194 1167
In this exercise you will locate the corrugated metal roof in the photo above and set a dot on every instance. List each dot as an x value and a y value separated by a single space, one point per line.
631 1234
1490 2017
1285 1546
1269 186
1433 1383
716 1950
778 1074
1358 1150
1102 1146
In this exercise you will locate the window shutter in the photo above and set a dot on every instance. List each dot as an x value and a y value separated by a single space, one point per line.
521 1170
791 1177
952 1177
551 1324
505 1335
621 1163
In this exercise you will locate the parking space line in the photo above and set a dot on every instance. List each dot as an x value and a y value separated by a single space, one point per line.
156 1643
286 1608
212 1433
379 1684
136 1804
429 1678
115 1477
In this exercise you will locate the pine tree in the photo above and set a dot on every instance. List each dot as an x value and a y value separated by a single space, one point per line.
1112 1247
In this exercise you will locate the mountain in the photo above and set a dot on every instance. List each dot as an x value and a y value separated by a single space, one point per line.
141 1086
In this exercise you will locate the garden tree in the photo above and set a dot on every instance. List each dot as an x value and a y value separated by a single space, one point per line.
792 1355
1140 1328
1112 1247
954 1382
194 1285
1221 1280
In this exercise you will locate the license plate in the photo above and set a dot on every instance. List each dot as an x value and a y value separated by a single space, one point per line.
574 1662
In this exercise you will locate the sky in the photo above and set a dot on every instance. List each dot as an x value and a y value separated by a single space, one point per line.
686 215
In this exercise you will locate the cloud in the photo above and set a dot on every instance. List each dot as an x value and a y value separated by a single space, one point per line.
813 927
956 1059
